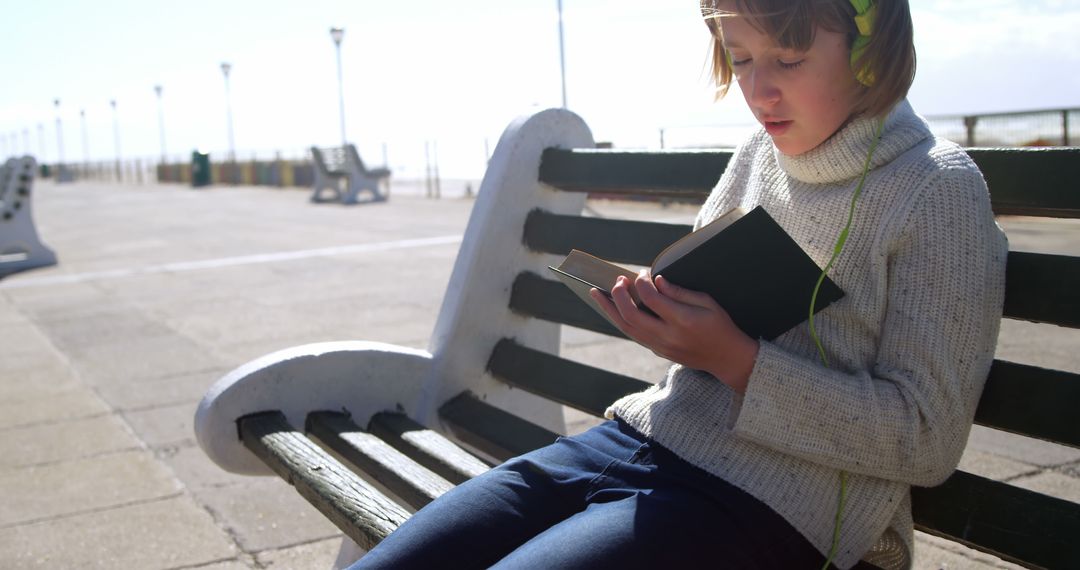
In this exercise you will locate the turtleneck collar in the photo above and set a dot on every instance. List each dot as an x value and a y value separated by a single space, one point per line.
842 156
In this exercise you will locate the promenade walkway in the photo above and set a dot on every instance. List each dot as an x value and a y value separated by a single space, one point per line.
161 289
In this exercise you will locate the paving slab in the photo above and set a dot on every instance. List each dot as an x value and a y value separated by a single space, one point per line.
195 470
1055 484
36 375
20 338
41 444
1043 345
85 333
240 563
320 554
142 394
78 402
57 302
265 513
71 487
1022 449
9 313
166 534
994 466
933 553
143 358
164 426
1072 470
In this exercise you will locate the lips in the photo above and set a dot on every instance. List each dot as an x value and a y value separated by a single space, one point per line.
776 128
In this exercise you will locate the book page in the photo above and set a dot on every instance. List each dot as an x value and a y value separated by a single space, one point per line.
581 272
592 270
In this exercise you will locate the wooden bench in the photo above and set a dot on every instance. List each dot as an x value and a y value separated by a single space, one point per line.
492 382
20 247
339 166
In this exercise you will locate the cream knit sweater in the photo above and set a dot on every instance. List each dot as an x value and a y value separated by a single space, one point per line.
909 345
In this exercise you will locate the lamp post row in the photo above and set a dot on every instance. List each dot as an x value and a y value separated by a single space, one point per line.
158 89
336 34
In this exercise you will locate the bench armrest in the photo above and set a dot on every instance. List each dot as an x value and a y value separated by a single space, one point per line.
361 378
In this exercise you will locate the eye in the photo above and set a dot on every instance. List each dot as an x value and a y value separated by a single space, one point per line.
734 60
791 65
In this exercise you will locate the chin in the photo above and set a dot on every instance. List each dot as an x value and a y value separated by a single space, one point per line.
791 148
794 147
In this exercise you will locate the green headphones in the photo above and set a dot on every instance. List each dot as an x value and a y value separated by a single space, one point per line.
864 21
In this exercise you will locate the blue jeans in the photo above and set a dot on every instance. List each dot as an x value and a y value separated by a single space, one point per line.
607 498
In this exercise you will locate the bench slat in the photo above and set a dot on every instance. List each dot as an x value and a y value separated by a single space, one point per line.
364 514
426 447
1038 288
1022 181
540 298
1013 391
1031 401
1022 526
499 434
576 385
1042 287
683 174
621 241
1031 181
414 483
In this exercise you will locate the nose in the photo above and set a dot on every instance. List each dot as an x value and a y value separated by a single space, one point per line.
760 87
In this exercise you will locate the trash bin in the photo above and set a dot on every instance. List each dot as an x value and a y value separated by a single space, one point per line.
200 169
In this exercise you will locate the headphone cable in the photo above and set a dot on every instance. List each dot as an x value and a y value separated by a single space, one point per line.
840 241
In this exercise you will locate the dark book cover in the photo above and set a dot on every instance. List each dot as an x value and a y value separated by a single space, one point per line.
757 273
744 260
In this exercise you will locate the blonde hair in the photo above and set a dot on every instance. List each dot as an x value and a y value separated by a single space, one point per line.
889 56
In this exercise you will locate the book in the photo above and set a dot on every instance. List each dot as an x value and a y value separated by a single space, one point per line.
743 259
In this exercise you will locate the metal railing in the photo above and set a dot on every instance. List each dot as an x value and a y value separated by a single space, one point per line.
1050 127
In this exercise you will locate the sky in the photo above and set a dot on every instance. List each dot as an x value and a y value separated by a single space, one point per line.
442 79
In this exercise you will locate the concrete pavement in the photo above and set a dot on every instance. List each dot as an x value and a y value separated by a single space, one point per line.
161 289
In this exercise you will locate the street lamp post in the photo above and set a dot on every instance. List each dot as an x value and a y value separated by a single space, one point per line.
226 67
59 138
337 34
85 139
116 137
85 144
562 57
41 141
161 121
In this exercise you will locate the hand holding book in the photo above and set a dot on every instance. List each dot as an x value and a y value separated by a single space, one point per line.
687 327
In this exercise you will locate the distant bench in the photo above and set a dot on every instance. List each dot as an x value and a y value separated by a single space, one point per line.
493 382
338 166
20 247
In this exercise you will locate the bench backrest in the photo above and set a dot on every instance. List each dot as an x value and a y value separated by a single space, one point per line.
332 160
16 180
354 156
521 348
